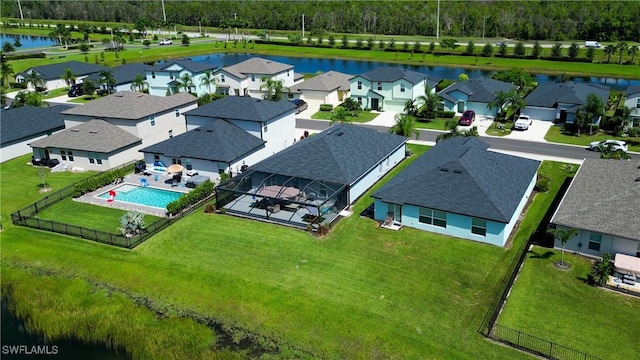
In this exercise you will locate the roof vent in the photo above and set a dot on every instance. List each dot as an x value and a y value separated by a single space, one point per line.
444 169
457 171
119 95
75 130
209 130
93 131
139 95
197 129
340 133
638 179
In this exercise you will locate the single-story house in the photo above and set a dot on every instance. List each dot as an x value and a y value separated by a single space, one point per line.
50 74
474 94
331 87
23 125
92 145
603 204
315 179
632 101
459 188
210 150
390 87
124 75
166 78
245 78
560 101
273 122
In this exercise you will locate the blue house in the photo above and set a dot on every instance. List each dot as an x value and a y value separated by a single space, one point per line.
474 94
561 100
459 188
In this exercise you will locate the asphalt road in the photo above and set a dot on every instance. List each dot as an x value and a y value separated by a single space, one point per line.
531 147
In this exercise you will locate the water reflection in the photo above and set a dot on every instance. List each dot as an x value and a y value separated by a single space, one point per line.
29 41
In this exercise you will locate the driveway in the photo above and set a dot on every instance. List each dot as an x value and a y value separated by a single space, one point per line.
536 132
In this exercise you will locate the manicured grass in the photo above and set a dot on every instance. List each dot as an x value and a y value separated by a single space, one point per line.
435 124
55 93
559 135
87 215
20 184
500 129
83 99
363 116
559 306
424 294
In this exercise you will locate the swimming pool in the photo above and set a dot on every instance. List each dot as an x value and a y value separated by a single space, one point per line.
146 196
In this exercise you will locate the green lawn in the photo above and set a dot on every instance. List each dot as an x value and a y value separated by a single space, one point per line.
87 215
435 124
559 306
500 129
424 294
559 135
363 116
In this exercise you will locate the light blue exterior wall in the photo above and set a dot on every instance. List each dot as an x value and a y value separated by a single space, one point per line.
381 169
158 84
481 108
391 98
611 244
540 113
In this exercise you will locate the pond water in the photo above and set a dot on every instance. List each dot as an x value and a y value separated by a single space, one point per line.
314 65
14 335
28 41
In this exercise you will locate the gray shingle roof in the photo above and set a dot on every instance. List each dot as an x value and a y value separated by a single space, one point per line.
392 73
94 135
124 73
550 94
216 141
604 197
194 67
54 71
461 176
243 108
632 91
328 81
29 121
481 90
131 106
340 154
257 65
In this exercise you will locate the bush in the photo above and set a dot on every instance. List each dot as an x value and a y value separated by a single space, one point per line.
542 184
326 107
200 192
633 132
15 85
99 180
445 114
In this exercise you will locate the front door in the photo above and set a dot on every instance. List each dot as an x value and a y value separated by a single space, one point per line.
460 106
375 102
395 211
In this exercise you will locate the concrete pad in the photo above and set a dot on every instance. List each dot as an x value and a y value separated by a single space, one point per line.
536 132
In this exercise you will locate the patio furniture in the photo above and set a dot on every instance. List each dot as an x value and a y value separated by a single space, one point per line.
194 181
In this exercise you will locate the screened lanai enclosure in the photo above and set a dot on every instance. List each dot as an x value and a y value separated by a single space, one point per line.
287 200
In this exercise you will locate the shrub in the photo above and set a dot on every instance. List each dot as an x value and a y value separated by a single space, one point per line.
99 180
326 107
633 132
445 114
542 184
200 192
16 85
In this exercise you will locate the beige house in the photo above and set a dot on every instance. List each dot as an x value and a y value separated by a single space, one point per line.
331 87
148 119
246 78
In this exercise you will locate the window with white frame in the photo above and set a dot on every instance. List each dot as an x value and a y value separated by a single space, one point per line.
177 112
360 100
70 155
156 157
170 133
221 77
402 88
379 86
170 75
479 226
638 103
152 120
433 217
359 85
63 155
176 161
94 158
188 163
253 77
287 72
594 241
153 74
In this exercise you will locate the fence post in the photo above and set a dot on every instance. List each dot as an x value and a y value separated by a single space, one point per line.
518 337
66 228
550 350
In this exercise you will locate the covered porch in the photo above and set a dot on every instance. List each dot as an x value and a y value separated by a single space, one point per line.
626 274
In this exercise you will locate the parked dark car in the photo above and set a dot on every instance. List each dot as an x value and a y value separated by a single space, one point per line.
467 118
75 90
44 162
300 104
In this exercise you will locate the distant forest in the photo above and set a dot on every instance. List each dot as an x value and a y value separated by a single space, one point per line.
523 20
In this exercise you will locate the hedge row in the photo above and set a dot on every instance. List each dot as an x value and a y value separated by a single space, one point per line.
102 179
445 114
326 107
200 192
25 56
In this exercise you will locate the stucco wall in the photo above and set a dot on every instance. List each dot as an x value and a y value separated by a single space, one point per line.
609 243
381 169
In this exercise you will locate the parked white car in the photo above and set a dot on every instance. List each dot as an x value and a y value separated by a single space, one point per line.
614 144
166 42
523 122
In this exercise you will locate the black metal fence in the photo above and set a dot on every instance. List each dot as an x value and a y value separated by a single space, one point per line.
26 217
536 345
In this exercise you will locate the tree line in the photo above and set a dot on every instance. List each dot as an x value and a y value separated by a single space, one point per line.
523 20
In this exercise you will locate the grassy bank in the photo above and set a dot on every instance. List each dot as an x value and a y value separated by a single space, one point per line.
424 294
560 306
557 134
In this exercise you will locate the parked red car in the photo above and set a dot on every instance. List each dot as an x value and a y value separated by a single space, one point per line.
467 118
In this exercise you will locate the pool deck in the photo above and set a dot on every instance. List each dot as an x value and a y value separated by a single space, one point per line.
164 182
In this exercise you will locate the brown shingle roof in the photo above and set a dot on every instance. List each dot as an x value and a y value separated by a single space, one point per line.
95 135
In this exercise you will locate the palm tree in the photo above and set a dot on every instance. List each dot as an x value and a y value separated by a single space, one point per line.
63 34
185 81
621 46
427 105
7 72
28 98
208 79
405 126
564 235
340 115
68 76
594 109
273 89
139 84
132 223
454 131
105 77
609 49
35 79
633 52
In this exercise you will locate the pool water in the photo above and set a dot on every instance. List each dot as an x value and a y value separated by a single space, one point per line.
143 195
